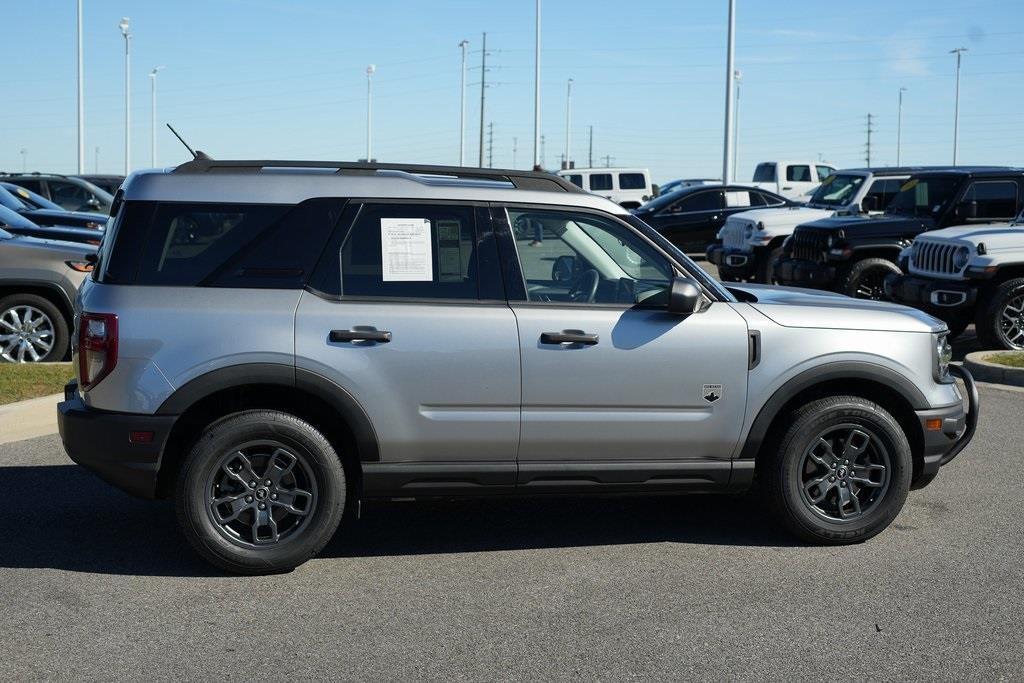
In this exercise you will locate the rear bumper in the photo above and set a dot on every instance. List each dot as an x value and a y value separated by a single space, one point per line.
102 442
957 428
801 273
940 297
732 264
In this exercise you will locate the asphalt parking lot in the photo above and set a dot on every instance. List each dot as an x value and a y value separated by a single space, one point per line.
97 585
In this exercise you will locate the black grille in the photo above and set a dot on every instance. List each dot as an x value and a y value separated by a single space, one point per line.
809 245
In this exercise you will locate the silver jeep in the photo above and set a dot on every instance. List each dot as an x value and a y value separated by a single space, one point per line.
270 343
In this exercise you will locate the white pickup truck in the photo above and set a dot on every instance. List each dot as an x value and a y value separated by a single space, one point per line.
791 179
750 241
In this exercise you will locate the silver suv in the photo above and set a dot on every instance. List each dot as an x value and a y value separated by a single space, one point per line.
270 343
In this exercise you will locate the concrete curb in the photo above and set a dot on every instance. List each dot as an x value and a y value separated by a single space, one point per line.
984 371
29 419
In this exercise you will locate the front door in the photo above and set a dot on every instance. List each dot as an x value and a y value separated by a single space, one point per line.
613 385
692 222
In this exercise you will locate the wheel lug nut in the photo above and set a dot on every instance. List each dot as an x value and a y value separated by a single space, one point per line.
267 482
273 496
252 484
831 478
843 484
248 499
263 506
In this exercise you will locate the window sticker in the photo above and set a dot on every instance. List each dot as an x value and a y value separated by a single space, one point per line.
449 251
909 184
737 198
406 251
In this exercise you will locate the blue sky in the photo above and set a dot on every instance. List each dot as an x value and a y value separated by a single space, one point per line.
280 79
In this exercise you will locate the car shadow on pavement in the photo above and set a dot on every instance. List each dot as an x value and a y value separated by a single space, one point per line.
63 517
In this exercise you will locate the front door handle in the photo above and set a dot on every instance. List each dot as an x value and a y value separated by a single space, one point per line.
568 337
380 336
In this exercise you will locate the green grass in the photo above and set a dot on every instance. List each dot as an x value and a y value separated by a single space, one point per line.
1013 359
20 381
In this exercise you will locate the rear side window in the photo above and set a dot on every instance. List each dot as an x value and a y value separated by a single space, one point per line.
601 181
632 181
798 174
576 179
995 198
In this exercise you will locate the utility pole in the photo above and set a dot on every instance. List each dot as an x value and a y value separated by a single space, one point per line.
867 147
515 145
729 73
96 160
956 109
81 97
608 160
124 26
899 126
490 145
738 75
152 117
483 86
462 106
590 150
370 70
568 121
538 141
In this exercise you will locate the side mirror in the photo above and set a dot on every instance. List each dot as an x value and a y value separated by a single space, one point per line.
869 204
684 296
655 191
93 203
563 268
967 210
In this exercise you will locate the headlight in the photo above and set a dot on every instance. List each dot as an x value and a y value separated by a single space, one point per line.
831 241
961 257
749 232
943 355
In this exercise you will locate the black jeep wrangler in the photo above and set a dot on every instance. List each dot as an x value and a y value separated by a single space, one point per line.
854 254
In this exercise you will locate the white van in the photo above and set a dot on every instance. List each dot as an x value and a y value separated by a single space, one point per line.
628 187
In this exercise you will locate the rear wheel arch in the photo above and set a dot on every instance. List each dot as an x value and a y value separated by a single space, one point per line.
52 293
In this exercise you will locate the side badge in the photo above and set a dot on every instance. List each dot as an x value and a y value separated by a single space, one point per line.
712 392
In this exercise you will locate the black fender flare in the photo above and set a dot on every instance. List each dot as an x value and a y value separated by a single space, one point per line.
839 370
328 391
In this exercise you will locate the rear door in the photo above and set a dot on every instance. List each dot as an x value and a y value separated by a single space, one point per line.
407 314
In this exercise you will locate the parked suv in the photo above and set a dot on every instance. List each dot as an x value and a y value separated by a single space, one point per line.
968 274
270 348
73 194
38 282
854 254
628 187
751 241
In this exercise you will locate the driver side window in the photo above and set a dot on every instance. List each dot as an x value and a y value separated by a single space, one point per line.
568 257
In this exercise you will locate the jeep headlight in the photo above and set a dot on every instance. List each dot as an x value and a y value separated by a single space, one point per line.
961 257
943 355
748 232
831 241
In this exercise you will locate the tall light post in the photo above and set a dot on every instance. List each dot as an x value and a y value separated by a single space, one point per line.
123 25
729 74
81 98
536 91
568 120
96 160
462 106
370 70
738 75
152 116
956 107
899 126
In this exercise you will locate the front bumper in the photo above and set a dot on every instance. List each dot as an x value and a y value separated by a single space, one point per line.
940 297
802 273
733 264
956 429
123 449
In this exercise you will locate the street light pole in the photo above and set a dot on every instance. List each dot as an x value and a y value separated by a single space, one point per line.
370 70
462 107
124 25
152 117
899 126
536 91
729 73
956 107
568 120
738 75
81 98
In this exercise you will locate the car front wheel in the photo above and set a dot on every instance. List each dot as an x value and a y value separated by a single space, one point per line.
841 472
261 492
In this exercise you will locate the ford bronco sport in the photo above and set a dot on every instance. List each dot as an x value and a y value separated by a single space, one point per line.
270 343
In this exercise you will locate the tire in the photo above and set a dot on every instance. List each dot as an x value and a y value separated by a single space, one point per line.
865 279
306 499
766 269
47 339
789 473
1000 322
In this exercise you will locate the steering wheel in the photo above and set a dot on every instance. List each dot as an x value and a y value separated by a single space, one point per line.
585 289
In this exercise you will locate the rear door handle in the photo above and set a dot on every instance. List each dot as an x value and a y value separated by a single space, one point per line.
380 336
568 337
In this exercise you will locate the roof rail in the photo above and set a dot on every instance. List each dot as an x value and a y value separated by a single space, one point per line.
461 175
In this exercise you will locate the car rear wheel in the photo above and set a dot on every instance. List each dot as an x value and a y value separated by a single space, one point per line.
866 279
261 492
1000 323
841 472
32 330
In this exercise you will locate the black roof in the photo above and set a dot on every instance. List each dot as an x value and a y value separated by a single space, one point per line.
663 199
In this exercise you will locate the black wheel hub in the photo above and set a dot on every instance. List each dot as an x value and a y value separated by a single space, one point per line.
844 472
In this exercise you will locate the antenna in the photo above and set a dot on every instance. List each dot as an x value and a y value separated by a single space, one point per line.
195 155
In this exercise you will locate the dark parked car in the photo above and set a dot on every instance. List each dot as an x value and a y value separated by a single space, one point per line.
73 194
17 199
109 183
16 224
691 217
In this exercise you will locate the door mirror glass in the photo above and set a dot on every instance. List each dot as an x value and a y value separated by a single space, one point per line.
563 269
967 210
869 204
684 296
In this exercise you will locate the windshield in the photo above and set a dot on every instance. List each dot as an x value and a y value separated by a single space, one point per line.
924 196
10 201
837 190
29 198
